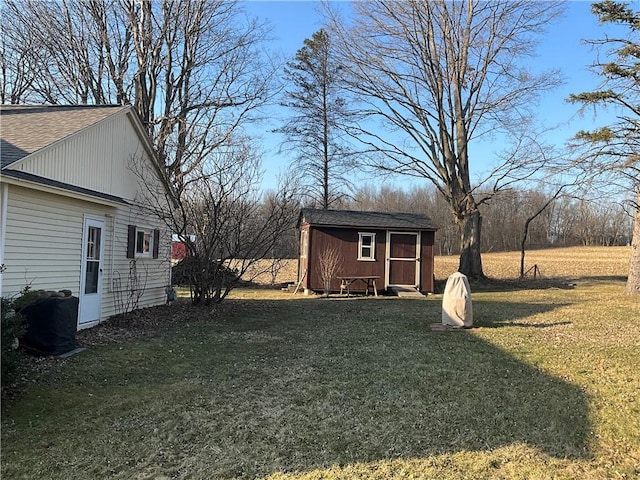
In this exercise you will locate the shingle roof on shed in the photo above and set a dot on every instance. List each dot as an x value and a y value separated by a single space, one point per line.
356 219
27 129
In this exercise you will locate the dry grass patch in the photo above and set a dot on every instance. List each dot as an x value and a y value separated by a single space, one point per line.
268 385
273 271
563 263
572 262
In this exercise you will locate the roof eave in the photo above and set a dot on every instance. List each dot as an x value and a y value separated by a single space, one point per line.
47 185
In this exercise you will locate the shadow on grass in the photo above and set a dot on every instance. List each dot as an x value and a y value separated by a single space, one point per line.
301 385
543 283
490 314
365 381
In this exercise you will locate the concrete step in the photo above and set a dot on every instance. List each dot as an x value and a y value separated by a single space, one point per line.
406 292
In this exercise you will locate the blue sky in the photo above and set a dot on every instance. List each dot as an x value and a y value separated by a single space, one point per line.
562 48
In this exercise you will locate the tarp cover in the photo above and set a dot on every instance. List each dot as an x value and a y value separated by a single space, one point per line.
457 310
51 325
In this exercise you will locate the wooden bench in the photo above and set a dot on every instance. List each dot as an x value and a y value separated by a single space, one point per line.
368 280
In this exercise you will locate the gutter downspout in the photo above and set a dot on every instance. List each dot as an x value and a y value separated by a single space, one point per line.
4 198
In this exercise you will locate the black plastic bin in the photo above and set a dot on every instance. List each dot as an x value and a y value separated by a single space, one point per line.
51 325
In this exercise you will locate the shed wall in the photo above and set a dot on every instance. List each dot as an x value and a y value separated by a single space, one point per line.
346 242
426 262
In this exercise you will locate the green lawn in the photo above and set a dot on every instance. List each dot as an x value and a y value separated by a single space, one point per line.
547 387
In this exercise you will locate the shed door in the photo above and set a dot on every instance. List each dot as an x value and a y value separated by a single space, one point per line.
91 273
403 259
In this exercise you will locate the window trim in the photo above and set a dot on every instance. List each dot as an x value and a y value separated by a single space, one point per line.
372 246
304 243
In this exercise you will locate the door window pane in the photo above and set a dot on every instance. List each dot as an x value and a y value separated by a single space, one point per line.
92 260
93 243
91 279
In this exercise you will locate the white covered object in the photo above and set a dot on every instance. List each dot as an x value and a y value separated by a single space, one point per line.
457 310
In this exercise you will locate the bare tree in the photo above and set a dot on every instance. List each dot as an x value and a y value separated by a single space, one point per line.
18 66
196 74
438 75
612 150
531 218
194 70
223 220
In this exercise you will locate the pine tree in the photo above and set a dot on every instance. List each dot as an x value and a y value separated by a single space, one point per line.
616 147
314 131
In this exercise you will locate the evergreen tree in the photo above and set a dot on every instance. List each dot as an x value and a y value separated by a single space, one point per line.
616 147
314 130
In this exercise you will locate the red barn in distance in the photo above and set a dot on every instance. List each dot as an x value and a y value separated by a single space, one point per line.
178 249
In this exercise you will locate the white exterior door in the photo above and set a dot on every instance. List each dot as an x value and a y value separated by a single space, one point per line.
91 272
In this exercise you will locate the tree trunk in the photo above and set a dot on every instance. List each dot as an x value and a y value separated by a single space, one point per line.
470 259
633 281
523 244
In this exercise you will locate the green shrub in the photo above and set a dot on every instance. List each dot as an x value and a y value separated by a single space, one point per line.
12 328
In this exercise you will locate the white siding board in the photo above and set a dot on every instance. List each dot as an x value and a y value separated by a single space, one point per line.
44 246
153 274
44 230
97 158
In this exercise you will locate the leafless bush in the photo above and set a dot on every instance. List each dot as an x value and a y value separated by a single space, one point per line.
330 265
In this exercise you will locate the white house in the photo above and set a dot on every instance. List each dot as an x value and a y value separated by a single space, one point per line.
70 208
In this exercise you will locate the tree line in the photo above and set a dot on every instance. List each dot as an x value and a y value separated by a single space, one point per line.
565 222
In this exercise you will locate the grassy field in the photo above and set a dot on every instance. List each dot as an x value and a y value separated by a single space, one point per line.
282 387
569 263
610 263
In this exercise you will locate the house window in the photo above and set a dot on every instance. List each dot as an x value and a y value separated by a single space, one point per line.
366 246
142 242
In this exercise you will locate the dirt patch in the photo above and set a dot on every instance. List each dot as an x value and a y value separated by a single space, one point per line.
149 321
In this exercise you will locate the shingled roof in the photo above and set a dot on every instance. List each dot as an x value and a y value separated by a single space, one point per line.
27 129
356 219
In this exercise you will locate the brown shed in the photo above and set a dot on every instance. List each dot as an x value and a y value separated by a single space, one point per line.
397 248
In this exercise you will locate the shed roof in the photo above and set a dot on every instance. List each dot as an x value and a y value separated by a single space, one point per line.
357 219
25 129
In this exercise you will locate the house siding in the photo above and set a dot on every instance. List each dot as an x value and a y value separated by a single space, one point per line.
96 158
43 248
152 273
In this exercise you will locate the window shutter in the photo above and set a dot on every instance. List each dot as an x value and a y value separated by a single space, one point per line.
156 243
131 241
